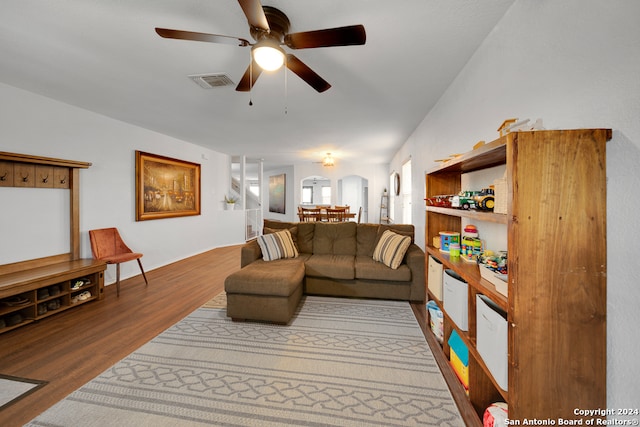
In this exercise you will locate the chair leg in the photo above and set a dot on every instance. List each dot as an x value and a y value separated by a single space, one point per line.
118 279
143 275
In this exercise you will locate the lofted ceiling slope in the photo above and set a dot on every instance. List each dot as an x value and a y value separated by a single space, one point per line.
104 56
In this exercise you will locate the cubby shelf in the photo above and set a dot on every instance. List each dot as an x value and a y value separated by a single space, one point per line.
471 214
556 304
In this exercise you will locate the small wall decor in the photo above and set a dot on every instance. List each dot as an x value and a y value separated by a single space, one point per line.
166 187
396 183
277 193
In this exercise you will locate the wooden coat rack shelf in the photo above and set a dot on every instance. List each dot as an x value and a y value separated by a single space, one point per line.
33 289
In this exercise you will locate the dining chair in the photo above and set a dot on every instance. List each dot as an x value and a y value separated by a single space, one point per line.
359 214
336 214
108 246
311 214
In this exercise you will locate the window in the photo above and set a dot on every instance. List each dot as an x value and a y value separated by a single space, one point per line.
391 198
405 192
307 195
326 195
255 189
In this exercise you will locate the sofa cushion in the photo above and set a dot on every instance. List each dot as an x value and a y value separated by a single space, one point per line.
402 229
279 278
391 248
277 245
331 266
302 237
367 268
367 237
335 238
306 231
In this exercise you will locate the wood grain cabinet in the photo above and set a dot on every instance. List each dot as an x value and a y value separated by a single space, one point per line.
556 242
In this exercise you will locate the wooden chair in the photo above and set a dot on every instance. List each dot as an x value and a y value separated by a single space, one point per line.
359 214
347 208
310 214
108 246
336 214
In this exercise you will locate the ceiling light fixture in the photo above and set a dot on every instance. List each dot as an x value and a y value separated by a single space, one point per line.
268 55
328 160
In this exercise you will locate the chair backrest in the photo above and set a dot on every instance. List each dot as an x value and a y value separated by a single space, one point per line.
310 214
359 214
336 215
106 242
347 208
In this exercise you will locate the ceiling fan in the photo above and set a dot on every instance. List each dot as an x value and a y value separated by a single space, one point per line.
269 27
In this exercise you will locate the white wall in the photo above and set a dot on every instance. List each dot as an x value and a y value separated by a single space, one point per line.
32 124
290 210
575 64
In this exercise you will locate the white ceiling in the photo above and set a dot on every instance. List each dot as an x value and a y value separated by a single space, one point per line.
104 56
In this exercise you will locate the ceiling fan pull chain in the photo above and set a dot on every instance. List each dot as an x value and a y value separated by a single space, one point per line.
286 99
250 79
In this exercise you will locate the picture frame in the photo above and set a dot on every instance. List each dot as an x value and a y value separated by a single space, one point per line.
277 193
166 187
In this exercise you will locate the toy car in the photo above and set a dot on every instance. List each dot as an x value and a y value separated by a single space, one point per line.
485 200
464 200
442 201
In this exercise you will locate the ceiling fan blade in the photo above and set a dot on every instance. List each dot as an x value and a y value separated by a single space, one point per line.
200 37
254 13
307 74
341 36
249 78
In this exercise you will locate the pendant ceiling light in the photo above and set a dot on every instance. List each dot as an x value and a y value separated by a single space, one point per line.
328 160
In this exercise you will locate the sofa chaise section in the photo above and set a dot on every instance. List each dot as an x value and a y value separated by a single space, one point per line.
335 259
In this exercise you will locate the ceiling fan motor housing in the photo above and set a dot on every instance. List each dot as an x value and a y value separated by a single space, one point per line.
278 25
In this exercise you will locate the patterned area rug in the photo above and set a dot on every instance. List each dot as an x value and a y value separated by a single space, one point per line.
219 301
13 388
340 362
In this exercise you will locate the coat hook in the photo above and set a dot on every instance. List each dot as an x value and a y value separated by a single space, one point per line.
63 180
45 179
25 178
4 177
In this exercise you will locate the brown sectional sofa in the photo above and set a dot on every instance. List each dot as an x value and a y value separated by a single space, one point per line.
335 259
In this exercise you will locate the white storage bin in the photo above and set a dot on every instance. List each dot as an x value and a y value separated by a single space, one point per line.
435 277
492 338
455 298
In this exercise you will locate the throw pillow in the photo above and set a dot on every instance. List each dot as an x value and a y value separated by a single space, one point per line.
277 245
391 248
292 230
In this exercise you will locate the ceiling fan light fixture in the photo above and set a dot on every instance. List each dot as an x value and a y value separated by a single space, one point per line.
268 55
328 161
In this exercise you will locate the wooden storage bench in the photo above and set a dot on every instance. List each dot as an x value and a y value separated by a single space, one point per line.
34 289
35 293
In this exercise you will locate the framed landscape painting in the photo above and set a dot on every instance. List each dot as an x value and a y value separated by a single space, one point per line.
166 187
277 193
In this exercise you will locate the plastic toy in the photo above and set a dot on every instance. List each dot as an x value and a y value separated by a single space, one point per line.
486 200
465 200
496 415
442 201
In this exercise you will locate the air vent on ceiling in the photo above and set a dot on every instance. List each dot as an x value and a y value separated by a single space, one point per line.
210 81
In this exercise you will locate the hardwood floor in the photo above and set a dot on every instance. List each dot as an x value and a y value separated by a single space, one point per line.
73 347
